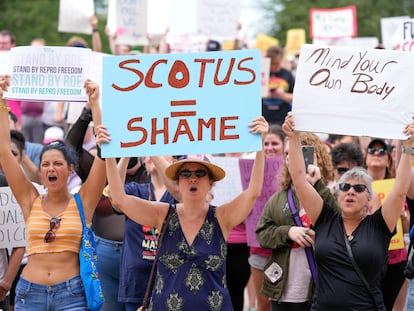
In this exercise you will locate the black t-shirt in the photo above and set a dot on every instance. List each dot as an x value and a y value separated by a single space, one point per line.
273 109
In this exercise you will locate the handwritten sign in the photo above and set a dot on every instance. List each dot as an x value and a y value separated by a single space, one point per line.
360 92
389 28
48 73
12 227
131 21
404 36
333 23
270 187
383 188
74 16
265 65
177 103
218 17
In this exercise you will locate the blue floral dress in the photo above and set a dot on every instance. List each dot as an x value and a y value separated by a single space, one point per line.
192 277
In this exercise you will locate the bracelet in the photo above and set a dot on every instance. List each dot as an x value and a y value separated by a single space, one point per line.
5 108
407 150
95 30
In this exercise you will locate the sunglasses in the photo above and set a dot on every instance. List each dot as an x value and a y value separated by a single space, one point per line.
188 173
342 170
50 236
379 152
344 187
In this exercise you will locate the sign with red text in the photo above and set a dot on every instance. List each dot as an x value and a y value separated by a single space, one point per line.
167 104
404 36
333 23
351 91
48 73
389 28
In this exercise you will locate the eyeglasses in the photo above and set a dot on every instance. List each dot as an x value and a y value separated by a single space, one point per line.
379 152
187 173
344 187
342 170
50 236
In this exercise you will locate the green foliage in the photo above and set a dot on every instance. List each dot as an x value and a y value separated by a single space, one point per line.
29 19
288 14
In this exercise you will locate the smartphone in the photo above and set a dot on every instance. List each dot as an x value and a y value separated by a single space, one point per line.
308 152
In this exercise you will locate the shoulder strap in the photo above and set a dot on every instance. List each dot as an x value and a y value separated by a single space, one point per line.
358 270
308 250
161 236
80 208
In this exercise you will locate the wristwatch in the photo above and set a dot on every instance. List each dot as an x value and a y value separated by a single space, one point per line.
406 150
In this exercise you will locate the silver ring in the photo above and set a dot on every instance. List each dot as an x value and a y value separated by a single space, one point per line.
304 235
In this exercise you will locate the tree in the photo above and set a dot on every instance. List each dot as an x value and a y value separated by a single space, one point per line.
288 14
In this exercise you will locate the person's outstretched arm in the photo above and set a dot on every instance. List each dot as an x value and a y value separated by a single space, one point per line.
307 195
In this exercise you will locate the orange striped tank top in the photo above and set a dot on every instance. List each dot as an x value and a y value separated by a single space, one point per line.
68 235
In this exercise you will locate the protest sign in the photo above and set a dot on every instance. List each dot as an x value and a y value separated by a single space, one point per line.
4 62
265 74
383 188
47 73
295 38
218 18
333 23
170 104
131 22
389 28
404 36
270 187
348 91
74 16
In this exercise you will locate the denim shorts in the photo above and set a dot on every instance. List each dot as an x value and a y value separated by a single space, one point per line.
65 296
258 261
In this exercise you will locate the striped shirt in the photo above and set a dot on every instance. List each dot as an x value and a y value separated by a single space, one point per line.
68 235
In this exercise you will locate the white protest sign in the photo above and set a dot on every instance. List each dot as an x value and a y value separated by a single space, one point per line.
74 16
4 62
389 26
218 18
230 186
404 36
360 92
47 73
333 23
265 71
12 229
131 22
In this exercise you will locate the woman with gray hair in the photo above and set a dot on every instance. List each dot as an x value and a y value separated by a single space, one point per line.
351 245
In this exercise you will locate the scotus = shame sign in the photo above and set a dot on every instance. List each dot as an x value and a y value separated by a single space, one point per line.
169 104
12 226
47 73
350 91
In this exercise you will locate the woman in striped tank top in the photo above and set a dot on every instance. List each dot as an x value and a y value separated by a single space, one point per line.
51 280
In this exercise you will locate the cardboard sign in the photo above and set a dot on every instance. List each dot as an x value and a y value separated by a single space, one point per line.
349 91
333 23
389 27
47 73
131 22
180 103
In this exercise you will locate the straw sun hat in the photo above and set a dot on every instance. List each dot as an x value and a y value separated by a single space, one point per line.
216 172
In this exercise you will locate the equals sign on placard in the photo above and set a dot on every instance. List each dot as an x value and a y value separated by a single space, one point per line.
183 103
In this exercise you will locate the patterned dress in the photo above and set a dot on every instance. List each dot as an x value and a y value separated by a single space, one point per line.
192 277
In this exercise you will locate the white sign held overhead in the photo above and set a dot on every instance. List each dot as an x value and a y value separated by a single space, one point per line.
74 16
131 22
218 18
350 91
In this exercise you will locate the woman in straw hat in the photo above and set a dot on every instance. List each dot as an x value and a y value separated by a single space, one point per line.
192 257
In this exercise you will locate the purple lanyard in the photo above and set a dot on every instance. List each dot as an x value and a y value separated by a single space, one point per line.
308 250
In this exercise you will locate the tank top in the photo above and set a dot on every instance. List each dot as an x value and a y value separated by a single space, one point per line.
68 235
192 277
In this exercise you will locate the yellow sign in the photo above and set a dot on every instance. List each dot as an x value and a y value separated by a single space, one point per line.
383 188
294 40
263 42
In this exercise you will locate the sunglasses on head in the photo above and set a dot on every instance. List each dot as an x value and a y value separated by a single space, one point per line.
345 187
188 173
50 236
342 170
380 151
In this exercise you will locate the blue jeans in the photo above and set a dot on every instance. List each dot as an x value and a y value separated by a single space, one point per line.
65 296
409 305
109 262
